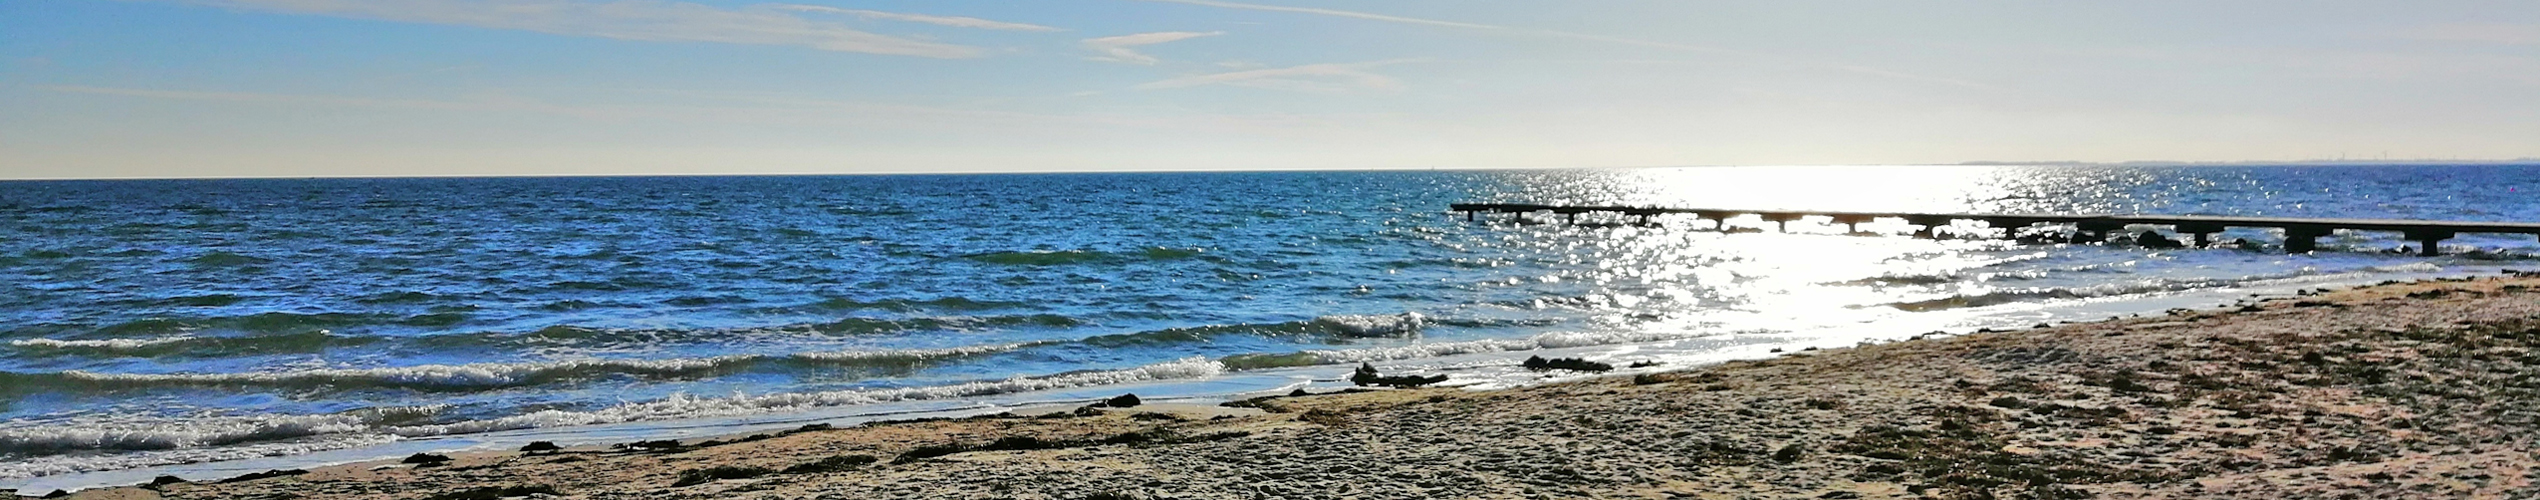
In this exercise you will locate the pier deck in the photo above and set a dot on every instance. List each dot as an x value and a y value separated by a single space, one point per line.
2300 235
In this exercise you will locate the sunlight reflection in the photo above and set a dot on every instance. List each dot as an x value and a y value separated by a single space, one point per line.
1682 276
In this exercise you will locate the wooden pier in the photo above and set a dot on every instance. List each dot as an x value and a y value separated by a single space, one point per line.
2300 235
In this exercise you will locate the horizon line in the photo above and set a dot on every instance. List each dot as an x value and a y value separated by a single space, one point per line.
1980 163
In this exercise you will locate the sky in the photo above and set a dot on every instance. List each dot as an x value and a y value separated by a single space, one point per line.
294 88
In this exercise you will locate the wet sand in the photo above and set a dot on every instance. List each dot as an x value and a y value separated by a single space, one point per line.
2412 390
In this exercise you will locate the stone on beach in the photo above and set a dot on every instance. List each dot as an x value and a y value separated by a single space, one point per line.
1367 375
1574 364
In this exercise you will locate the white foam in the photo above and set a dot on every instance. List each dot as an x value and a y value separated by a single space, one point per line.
1366 325
467 375
949 352
506 374
686 406
159 434
51 465
115 344
1551 340
202 439
2412 267
1416 351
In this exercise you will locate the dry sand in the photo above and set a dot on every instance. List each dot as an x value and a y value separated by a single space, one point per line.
2417 390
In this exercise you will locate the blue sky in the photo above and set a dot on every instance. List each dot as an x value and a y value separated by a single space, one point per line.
185 88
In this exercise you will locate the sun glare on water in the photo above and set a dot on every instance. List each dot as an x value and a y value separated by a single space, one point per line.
1681 275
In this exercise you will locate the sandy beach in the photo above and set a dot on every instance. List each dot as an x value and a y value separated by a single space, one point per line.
2404 390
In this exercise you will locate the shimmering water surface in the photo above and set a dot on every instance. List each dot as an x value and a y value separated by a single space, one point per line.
158 322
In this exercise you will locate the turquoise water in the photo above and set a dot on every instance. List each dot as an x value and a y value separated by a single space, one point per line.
158 322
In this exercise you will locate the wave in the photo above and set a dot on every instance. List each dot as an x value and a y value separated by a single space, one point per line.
585 336
267 322
2138 288
1183 335
2038 294
908 305
478 376
187 440
1902 280
1553 340
957 323
153 434
1390 325
1067 257
400 297
158 337
683 406
191 346
1374 325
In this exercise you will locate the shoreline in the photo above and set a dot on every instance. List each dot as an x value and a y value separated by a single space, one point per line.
1486 362
2367 390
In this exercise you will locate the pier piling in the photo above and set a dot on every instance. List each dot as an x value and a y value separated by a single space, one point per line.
2300 235
2304 239
1927 226
1852 222
2097 231
2427 239
1781 221
2204 233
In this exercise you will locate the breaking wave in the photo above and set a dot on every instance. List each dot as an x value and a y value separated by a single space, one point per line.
186 440
191 346
2139 288
1553 340
1338 326
684 406
270 322
478 376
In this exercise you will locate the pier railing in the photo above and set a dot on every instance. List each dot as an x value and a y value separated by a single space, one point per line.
2300 235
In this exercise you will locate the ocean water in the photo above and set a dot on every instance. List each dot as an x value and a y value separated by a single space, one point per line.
163 323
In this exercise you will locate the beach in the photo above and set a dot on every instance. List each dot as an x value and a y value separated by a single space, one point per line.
2419 389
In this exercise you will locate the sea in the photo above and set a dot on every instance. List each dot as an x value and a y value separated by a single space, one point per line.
205 328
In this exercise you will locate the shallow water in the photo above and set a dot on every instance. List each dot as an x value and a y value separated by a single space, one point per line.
158 322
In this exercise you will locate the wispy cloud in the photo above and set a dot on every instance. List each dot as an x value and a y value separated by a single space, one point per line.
1449 24
1331 12
718 106
954 21
650 20
1576 36
1329 78
1117 48
487 104
700 107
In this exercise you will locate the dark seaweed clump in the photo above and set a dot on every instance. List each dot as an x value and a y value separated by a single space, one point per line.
1367 376
1574 364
